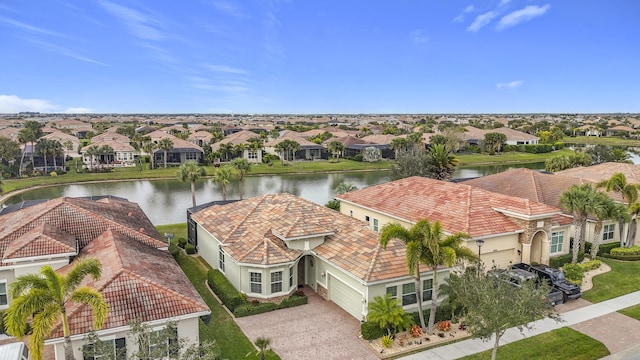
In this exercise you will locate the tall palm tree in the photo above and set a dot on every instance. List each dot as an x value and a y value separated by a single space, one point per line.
344 188
190 171
43 298
578 200
618 183
223 176
398 144
25 136
424 245
93 152
57 150
44 148
242 167
238 150
226 149
148 147
336 148
605 208
165 145
441 162
106 152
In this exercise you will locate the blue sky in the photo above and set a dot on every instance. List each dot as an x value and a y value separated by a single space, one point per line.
320 56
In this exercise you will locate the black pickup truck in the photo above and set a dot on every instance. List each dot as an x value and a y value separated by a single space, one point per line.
517 276
555 278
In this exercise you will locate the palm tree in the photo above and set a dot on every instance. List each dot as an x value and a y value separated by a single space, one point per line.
242 167
398 144
618 183
190 171
605 208
388 313
57 150
43 298
93 152
44 148
287 147
165 145
441 162
344 188
262 344
336 148
238 150
148 147
226 149
424 245
578 200
25 136
105 151
223 176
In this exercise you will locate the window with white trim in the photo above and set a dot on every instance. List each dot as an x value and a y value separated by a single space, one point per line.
427 289
557 238
276 282
608 231
108 349
191 156
160 344
409 294
255 282
375 225
252 154
220 258
3 293
392 291
290 276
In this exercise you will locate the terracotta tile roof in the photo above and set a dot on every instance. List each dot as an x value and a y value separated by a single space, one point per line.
458 207
346 141
200 135
291 135
84 219
116 145
138 282
379 139
42 240
240 137
601 172
511 134
246 230
111 136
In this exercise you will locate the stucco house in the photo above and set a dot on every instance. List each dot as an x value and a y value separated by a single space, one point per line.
140 280
511 229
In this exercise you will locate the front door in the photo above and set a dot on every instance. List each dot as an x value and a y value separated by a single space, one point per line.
301 271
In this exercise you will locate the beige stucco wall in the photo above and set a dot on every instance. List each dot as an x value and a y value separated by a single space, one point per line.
208 250
305 244
187 329
325 269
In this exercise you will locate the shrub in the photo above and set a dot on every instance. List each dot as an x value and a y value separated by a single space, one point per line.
560 261
53 173
228 294
387 341
358 157
2 327
416 330
634 250
590 265
558 145
182 242
606 248
444 325
253 309
293 300
190 249
371 330
174 251
573 273
622 257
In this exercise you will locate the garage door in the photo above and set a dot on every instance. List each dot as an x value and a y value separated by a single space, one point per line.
502 258
345 297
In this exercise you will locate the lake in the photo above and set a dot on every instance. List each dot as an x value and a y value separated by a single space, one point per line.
165 201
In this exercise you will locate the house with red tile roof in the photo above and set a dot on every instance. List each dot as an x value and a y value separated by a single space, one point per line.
512 229
308 150
271 245
183 151
242 137
140 281
124 155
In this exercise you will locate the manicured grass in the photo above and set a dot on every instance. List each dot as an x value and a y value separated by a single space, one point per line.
603 140
226 333
624 278
509 157
632 311
562 344
178 230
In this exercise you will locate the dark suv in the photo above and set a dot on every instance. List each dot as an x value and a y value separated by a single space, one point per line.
517 276
555 278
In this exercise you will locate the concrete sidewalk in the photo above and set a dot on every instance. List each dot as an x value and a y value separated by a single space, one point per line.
472 346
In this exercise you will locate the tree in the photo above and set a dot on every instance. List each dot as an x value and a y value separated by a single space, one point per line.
226 149
562 162
441 163
411 162
438 139
344 188
425 244
43 298
578 200
9 149
287 147
105 152
190 171
25 136
165 145
148 146
605 208
494 142
398 144
262 344
57 150
34 133
388 314
239 149
629 192
494 305
93 152
242 167
336 148
223 176
371 154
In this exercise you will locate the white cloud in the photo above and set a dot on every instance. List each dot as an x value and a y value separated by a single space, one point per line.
78 110
224 69
140 25
29 28
482 20
504 2
469 9
229 8
525 14
510 85
61 50
459 18
418 37
13 104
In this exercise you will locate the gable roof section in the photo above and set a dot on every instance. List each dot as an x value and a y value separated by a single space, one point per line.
42 240
245 228
138 282
458 207
84 219
601 172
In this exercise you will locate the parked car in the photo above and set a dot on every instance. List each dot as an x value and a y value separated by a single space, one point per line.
517 276
554 278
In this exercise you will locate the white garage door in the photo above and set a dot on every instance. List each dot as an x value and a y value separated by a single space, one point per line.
345 297
502 258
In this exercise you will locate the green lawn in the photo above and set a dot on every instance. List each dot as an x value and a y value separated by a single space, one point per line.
231 340
509 157
562 344
632 311
594 140
624 278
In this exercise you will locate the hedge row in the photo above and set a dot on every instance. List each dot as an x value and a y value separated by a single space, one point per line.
253 309
371 330
559 261
590 265
227 293
603 248
618 251
532 149
622 257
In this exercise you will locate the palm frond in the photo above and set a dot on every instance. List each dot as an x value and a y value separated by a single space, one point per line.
24 307
393 231
26 282
42 324
95 300
83 267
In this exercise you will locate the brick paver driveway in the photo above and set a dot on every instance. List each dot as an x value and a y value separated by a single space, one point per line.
317 330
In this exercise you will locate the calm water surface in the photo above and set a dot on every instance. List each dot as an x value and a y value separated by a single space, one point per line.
166 201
